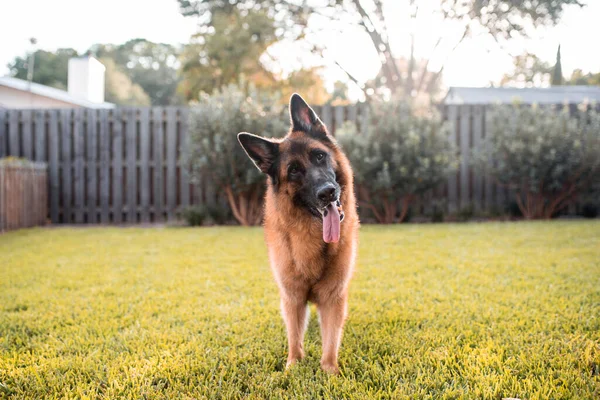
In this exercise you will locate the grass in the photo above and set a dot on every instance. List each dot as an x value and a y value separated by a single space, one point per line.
436 311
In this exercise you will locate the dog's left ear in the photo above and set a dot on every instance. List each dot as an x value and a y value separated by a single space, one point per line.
263 152
303 117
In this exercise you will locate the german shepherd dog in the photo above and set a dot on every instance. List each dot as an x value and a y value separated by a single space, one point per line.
311 226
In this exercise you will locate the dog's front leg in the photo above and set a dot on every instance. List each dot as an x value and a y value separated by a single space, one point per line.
332 314
295 316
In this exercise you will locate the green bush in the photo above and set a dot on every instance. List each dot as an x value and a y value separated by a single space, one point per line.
214 153
547 156
400 157
195 216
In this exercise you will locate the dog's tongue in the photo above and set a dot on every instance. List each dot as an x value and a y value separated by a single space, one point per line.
331 224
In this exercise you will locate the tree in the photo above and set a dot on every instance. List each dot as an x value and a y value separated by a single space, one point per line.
579 78
529 71
214 153
557 78
400 157
502 19
229 50
545 155
153 66
119 88
50 68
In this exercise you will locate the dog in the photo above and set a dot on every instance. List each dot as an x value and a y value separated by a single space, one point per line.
311 226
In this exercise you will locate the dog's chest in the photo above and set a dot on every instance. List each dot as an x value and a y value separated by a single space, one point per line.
300 257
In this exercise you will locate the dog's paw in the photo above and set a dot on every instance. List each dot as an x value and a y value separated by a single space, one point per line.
293 360
330 368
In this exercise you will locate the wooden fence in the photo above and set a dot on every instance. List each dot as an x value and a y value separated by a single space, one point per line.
123 165
23 195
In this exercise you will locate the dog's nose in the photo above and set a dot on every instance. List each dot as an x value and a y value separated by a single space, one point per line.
326 194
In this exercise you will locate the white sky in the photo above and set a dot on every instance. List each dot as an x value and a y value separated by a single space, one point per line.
477 62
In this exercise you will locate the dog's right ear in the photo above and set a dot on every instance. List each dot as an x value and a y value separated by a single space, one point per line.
263 152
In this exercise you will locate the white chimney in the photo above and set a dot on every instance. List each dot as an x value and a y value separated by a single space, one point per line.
86 79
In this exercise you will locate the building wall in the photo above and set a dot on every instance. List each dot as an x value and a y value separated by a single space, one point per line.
13 98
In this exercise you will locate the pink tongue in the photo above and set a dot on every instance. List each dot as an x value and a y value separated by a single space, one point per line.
331 224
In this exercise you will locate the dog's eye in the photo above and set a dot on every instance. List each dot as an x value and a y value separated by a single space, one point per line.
293 170
320 156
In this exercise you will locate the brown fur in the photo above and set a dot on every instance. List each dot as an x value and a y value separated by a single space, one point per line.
304 266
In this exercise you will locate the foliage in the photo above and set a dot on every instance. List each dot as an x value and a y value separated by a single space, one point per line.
152 66
119 88
581 79
481 311
195 216
410 77
229 50
529 71
547 156
401 156
215 154
557 78
50 68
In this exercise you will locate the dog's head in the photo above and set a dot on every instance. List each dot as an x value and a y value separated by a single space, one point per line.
302 166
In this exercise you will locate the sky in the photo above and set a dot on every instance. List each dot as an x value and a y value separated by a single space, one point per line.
476 62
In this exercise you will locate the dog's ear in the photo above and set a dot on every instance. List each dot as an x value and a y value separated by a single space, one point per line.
263 152
303 117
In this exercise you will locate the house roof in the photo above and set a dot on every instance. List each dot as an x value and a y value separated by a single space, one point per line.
50 92
552 95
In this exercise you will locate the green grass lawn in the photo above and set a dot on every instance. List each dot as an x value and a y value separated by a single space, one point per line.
436 311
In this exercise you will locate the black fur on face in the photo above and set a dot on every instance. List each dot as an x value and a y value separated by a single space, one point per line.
308 171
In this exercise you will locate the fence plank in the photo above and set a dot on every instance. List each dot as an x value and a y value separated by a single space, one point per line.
452 179
78 172
339 118
104 147
67 194
26 134
13 133
158 134
117 166
92 165
131 165
465 156
3 134
40 135
53 160
145 164
488 180
183 173
171 162
327 117
477 143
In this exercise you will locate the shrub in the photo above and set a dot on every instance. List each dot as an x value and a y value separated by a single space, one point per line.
547 156
399 157
214 153
195 216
